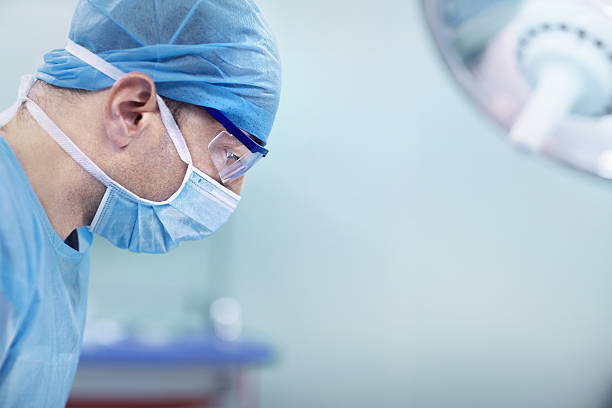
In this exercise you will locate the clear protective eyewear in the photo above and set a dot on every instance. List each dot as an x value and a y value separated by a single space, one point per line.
232 151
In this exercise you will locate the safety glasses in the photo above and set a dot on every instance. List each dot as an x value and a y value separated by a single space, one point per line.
232 151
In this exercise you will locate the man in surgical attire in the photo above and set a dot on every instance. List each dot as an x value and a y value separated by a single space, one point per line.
141 131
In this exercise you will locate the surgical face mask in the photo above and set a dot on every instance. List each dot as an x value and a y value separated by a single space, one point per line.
198 209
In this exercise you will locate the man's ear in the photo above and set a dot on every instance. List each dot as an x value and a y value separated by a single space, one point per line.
131 105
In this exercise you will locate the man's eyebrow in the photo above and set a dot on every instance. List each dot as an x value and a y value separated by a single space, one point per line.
255 139
258 141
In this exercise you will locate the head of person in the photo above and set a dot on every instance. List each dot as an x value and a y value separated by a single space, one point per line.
135 69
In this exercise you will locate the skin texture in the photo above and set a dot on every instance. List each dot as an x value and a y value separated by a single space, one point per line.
121 130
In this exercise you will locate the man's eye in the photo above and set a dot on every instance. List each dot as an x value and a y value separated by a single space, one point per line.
231 157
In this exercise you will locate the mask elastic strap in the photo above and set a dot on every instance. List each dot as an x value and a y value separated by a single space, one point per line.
43 120
27 81
65 143
113 72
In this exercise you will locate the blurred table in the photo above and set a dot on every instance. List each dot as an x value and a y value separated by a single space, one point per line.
191 372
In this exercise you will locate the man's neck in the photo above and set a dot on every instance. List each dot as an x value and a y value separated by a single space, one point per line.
69 195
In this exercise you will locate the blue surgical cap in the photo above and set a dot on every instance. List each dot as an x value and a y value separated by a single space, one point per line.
218 54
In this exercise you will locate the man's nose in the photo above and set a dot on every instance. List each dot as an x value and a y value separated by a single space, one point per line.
236 185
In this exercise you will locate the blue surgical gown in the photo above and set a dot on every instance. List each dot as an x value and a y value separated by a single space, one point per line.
43 296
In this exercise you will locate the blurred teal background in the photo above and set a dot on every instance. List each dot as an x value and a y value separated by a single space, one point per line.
393 246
